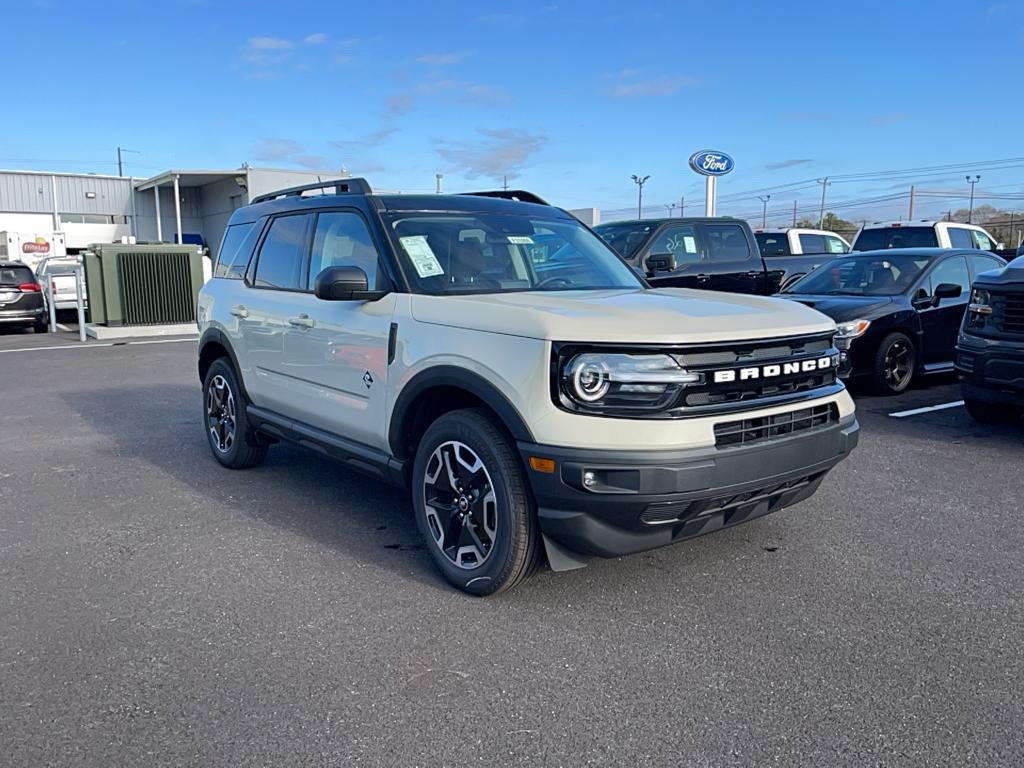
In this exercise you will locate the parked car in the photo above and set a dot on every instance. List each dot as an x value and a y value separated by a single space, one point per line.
62 279
897 311
799 241
21 298
717 254
575 413
923 234
990 349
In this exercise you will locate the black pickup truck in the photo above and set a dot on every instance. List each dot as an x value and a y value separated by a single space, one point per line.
717 254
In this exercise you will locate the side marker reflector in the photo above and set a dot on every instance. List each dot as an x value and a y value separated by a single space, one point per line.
538 464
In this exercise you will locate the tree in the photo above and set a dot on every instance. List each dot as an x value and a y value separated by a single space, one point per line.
1005 226
832 223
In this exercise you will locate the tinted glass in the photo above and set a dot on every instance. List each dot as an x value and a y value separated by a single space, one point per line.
280 260
836 245
952 270
16 275
726 242
863 275
981 241
895 237
343 240
235 250
497 253
773 244
680 240
960 237
626 238
812 243
984 263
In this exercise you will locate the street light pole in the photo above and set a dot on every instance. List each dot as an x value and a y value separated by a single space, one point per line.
640 181
682 207
972 182
764 209
671 208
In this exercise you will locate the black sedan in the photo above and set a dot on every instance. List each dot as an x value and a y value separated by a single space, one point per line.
897 311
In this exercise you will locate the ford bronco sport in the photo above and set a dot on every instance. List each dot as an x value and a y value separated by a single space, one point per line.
493 355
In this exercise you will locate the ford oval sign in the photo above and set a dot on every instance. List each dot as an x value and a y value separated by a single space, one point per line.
710 163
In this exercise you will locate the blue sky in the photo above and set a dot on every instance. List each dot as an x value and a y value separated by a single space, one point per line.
566 98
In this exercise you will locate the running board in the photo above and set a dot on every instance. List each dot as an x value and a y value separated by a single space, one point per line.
938 367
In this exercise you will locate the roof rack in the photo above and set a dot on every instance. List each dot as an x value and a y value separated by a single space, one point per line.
341 187
521 195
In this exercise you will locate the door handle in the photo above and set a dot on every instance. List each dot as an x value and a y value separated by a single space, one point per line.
302 321
239 311
702 278
753 273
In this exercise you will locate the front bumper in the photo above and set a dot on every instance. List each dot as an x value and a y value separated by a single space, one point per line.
640 500
991 370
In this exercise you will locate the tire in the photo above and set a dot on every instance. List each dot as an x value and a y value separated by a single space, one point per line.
233 442
891 376
992 413
481 530
40 326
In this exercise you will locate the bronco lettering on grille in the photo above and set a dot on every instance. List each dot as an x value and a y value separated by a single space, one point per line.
771 371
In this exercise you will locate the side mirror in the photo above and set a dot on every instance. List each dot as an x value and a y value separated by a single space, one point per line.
947 291
661 262
344 284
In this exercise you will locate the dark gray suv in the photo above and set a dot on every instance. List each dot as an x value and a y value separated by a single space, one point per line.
21 297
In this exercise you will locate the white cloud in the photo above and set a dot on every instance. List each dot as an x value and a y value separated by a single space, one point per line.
442 59
502 152
317 38
628 83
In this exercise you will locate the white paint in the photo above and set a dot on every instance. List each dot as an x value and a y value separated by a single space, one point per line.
94 344
927 409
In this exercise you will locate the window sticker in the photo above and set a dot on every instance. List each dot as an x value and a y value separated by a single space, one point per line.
421 255
520 239
691 243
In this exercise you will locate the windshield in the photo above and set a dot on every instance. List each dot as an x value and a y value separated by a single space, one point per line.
896 237
625 238
863 275
500 253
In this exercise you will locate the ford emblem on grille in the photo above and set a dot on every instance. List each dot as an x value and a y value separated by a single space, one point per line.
776 369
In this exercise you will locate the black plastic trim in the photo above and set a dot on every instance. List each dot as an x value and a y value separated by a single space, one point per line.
215 335
460 378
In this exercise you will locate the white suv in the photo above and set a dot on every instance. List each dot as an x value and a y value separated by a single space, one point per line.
493 355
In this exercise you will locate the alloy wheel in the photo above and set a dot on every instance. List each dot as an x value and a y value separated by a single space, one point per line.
461 506
220 414
899 365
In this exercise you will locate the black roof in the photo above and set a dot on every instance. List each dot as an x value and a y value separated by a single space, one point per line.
4 263
673 219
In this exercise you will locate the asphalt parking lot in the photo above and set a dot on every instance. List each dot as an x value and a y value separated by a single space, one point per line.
156 609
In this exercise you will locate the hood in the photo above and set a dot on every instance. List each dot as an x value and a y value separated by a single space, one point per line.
653 316
843 308
1010 274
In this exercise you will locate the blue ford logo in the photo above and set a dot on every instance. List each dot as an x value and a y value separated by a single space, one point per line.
710 163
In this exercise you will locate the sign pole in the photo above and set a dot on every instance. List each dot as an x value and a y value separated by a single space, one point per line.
711 165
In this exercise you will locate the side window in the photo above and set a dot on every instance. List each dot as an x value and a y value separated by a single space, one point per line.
280 260
835 245
981 241
952 270
680 241
726 243
960 237
812 243
984 263
773 244
343 240
235 250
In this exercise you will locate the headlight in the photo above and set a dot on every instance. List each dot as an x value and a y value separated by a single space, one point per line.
981 302
601 381
852 329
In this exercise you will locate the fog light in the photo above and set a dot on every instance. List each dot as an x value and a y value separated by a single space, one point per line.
589 479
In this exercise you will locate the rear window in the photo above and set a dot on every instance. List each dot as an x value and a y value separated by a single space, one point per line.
773 244
896 237
16 275
235 250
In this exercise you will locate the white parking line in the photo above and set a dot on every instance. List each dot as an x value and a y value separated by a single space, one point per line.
94 344
928 409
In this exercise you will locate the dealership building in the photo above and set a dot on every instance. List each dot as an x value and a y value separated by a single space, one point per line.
189 206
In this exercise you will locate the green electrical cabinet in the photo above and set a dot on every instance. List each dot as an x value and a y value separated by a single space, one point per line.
143 284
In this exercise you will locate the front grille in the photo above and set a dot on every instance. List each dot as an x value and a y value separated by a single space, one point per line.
1008 312
746 431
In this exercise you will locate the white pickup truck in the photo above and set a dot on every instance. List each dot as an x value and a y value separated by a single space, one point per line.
880 235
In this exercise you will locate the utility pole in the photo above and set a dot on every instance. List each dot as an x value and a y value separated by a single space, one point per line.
120 165
764 209
437 178
682 207
910 214
504 184
824 185
794 213
640 181
972 182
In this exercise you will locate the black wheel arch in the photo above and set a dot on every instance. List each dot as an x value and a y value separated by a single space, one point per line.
439 390
214 344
